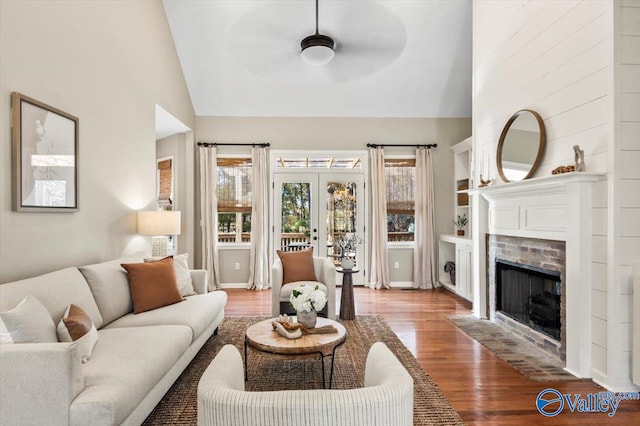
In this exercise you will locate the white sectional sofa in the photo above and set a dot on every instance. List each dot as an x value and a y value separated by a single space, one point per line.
135 361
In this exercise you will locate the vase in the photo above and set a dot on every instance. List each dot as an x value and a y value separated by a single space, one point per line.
347 263
308 319
461 232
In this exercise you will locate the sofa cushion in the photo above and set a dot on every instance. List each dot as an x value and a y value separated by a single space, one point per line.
125 366
197 312
76 326
110 288
55 290
153 285
29 322
297 265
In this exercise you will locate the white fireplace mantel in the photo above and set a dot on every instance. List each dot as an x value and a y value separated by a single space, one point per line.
557 207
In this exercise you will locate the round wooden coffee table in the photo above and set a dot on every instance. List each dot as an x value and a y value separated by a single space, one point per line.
263 338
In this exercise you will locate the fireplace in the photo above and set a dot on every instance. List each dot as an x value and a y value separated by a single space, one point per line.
533 303
548 222
529 295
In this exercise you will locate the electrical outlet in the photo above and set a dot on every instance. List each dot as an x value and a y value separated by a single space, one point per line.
237 266
396 265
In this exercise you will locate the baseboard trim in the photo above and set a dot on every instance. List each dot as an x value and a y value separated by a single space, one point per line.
233 285
401 284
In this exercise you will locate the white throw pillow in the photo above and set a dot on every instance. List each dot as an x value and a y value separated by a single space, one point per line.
183 276
29 322
76 326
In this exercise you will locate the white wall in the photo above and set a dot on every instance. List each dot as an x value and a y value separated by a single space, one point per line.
107 63
336 134
557 58
624 185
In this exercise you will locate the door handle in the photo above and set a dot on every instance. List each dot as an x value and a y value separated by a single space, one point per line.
315 230
315 238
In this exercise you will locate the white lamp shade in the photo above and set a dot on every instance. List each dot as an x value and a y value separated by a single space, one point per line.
152 222
317 55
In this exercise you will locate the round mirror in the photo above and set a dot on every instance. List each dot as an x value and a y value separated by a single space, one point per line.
521 146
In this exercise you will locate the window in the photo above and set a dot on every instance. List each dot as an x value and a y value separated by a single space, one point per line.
165 183
343 163
400 182
234 200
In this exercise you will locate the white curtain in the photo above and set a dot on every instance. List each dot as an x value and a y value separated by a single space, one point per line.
209 214
423 252
379 251
259 255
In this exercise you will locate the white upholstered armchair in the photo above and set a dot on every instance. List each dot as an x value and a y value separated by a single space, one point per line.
385 400
326 278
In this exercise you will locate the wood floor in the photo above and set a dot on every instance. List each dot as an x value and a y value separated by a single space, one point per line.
482 388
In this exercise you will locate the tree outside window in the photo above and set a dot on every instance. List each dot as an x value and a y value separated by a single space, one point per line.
400 183
234 200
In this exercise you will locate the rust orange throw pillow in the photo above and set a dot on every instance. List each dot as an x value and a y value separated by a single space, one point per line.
297 265
152 285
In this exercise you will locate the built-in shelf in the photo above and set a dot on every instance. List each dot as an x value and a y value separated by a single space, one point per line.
452 247
456 239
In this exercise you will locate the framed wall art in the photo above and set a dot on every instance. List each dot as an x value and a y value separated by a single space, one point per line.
45 157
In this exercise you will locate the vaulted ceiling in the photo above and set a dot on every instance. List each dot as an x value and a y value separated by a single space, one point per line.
393 58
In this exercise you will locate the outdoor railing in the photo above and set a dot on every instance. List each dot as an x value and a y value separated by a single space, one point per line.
399 236
292 241
231 237
289 241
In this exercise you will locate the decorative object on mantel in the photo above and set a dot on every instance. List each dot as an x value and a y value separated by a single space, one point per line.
563 169
294 330
307 301
484 182
579 158
521 146
578 167
460 223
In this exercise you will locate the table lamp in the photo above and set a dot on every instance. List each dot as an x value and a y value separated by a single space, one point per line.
159 224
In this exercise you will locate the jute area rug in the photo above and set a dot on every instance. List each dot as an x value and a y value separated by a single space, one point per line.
179 405
534 363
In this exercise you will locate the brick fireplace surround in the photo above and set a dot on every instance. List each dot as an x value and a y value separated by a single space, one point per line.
544 254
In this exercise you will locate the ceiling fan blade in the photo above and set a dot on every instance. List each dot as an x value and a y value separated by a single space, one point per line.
261 44
264 44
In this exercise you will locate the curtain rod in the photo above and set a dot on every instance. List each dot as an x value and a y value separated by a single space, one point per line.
210 144
430 145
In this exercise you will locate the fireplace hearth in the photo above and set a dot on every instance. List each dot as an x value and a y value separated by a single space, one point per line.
529 295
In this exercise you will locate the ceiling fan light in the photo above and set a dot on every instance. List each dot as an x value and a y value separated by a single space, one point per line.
317 49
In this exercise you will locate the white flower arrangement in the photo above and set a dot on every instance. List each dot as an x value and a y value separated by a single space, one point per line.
306 298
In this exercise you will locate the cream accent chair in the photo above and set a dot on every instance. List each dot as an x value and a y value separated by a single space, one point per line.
385 400
325 274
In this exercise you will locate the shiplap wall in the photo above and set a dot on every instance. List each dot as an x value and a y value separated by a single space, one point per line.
556 57
549 56
624 225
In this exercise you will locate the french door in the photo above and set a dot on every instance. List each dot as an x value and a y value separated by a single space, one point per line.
323 210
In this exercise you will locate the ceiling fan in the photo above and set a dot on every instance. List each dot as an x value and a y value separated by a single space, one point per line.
265 39
317 49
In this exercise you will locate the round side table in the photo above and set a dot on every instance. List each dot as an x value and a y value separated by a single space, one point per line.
347 302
